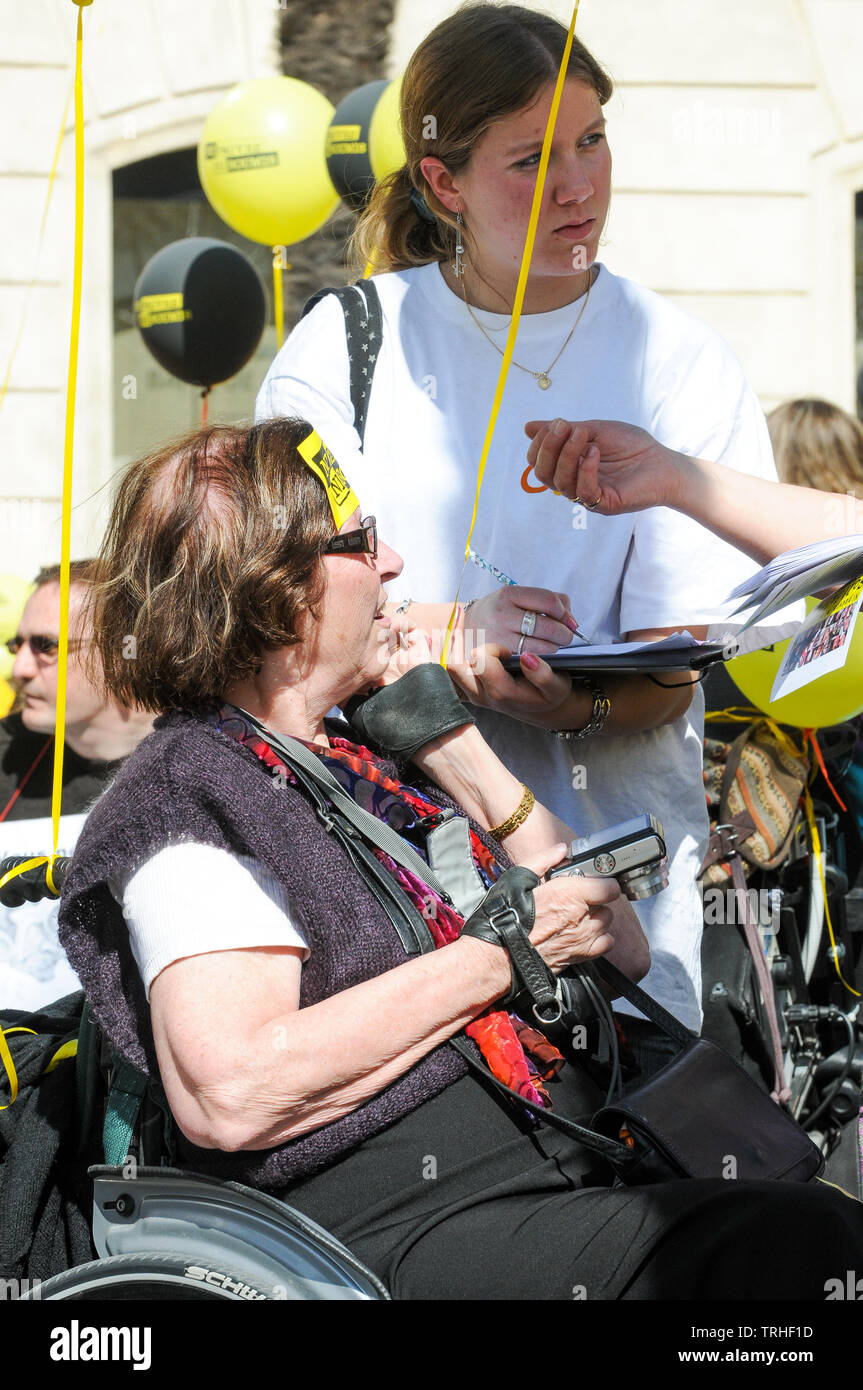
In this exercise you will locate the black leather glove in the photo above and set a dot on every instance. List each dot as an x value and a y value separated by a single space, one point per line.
402 717
504 918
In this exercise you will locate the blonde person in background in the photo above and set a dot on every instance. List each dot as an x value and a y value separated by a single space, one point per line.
447 233
817 444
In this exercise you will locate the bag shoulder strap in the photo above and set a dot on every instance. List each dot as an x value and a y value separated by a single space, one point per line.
610 1149
361 306
649 1007
378 833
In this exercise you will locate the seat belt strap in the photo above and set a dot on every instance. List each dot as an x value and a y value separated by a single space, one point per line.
124 1104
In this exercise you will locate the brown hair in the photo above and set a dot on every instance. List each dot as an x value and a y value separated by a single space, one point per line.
211 557
482 63
80 572
817 444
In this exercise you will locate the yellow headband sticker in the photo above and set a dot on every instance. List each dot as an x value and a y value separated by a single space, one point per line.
342 499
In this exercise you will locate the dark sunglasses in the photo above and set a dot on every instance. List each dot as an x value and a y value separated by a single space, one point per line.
39 646
46 647
364 539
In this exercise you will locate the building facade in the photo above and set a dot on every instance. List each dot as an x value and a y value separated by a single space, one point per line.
736 131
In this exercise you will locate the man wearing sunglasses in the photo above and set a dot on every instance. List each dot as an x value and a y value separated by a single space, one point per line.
99 734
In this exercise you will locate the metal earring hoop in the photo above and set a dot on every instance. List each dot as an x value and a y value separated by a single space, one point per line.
458 268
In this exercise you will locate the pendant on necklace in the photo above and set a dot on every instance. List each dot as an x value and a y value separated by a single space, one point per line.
544 380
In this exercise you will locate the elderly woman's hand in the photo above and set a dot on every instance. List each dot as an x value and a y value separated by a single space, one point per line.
574 919
608 466
581 918
406 649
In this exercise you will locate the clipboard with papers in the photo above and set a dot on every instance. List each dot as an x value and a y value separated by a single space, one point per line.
679 652
822 643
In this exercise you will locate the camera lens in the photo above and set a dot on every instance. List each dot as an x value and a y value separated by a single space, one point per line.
645 881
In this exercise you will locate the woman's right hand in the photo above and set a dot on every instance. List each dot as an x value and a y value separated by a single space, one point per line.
573 920
608 466
497 619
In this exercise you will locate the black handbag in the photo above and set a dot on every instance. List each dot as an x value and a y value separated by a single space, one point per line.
702 1115
699 1116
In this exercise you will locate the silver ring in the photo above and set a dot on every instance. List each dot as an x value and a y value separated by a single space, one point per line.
521 641
528 623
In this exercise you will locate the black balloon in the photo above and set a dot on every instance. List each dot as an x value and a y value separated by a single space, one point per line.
347 148
200 306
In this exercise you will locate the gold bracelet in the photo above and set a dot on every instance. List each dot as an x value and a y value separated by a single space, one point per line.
519 815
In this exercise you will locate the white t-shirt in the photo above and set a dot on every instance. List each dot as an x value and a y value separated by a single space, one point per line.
34 970
634 357
191 899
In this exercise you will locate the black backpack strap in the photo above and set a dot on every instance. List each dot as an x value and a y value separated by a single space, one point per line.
364 333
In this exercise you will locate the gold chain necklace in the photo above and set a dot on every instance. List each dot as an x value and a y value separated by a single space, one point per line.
542 378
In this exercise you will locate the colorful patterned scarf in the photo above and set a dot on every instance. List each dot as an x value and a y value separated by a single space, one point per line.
517 1054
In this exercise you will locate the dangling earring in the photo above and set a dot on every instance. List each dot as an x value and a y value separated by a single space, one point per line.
458 268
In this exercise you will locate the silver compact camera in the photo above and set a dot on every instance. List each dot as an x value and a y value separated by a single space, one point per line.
632 852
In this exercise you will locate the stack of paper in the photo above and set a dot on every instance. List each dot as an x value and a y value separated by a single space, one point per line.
798 573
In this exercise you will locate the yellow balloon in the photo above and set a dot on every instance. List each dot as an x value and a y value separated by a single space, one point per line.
386 147
830 699
261 160
7 697
14 593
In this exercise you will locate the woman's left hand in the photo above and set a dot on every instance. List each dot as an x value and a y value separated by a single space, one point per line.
406 650
536 696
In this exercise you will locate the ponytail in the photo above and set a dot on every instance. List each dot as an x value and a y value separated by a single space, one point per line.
399 228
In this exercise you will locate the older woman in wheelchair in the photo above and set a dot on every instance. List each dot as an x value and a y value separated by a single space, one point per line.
332 949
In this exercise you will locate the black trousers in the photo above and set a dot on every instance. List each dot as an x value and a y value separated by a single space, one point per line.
461 1201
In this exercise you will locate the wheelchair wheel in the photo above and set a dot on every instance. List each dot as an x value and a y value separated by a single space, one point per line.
145 1277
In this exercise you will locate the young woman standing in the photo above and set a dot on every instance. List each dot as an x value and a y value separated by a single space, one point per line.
447 233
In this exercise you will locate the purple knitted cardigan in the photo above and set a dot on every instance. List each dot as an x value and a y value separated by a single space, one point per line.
188 781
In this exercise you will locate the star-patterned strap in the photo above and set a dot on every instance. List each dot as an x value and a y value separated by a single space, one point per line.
364 333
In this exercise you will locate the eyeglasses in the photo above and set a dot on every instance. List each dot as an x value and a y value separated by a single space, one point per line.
363 539
45 648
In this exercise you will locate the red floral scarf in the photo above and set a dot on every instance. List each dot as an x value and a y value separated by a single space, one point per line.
517 1054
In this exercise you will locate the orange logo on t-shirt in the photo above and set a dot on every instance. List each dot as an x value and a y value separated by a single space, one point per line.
528 487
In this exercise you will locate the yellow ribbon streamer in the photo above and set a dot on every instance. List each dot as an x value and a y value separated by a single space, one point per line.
278 294
5 1054
516 312
786 742
816 850
4 388
63 1053
71 384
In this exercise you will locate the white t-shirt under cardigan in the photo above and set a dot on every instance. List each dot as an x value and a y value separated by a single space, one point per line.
634 357
190 899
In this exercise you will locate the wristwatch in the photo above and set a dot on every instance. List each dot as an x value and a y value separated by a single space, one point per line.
598 715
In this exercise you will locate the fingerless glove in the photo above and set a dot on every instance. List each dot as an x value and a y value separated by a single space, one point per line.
401 718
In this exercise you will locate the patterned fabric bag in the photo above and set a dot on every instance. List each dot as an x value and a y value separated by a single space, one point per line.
754 784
